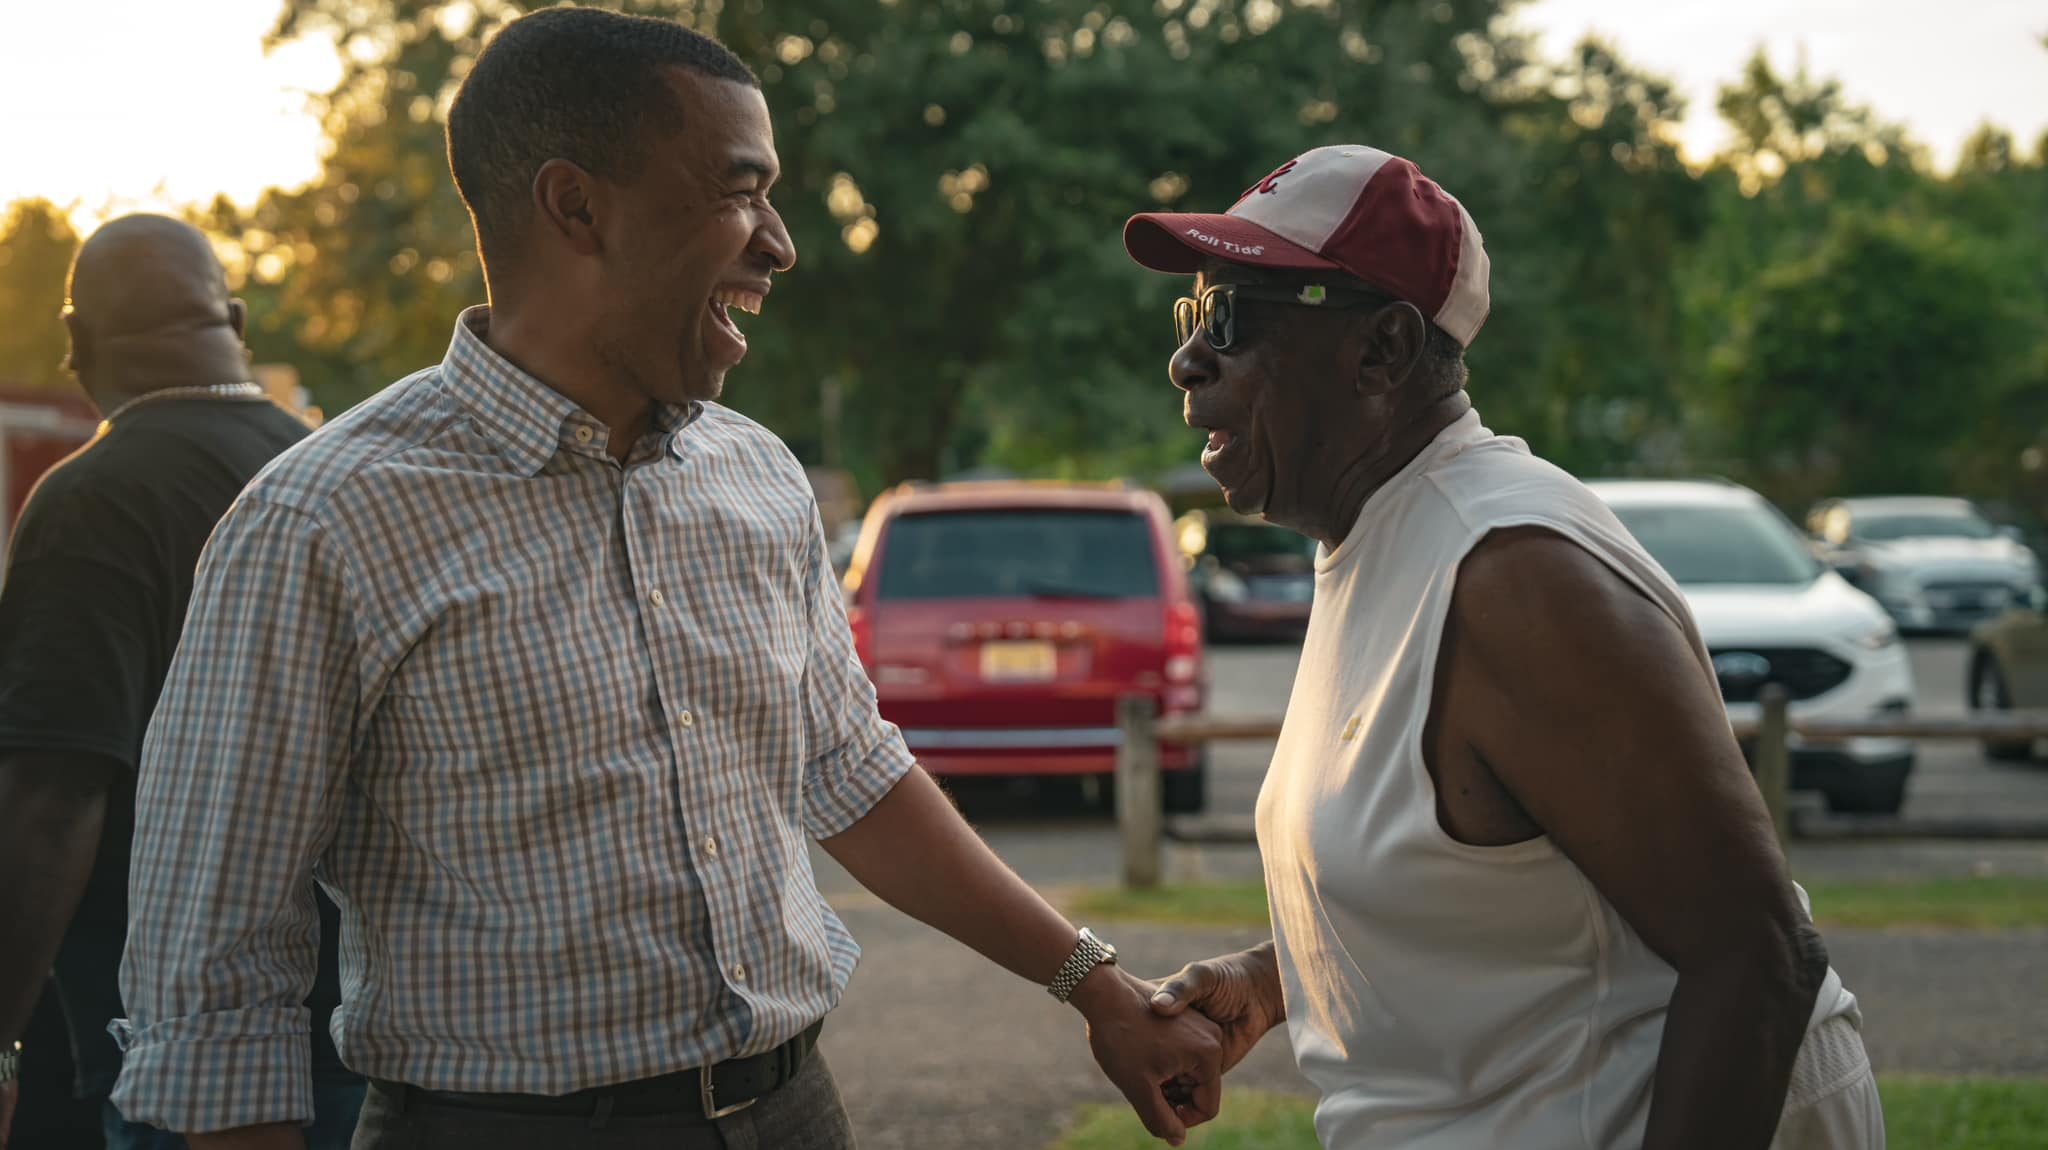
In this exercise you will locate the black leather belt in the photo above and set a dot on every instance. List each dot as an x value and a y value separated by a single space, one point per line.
726 1088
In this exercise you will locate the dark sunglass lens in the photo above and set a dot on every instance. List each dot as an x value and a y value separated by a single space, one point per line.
1184 311
1219 318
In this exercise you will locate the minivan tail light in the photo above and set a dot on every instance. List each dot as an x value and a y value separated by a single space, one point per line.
1183 656
863 634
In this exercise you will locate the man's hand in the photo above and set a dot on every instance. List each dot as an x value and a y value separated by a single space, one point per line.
1239 992
915 851
1168 1068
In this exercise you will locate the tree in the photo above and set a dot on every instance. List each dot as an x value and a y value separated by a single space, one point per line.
37 244
1988 151
957 173
1783 123
1880 363
956 177
1615 214
357 278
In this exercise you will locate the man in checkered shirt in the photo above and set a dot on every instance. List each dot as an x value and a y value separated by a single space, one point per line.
535 662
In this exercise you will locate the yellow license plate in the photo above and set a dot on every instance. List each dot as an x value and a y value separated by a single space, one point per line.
1019 662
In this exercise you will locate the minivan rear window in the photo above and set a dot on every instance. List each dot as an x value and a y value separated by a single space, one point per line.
1023 553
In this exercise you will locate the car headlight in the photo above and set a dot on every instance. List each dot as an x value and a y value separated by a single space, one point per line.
1876 637
1227 586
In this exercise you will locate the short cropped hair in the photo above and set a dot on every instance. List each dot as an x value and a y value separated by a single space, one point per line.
579 84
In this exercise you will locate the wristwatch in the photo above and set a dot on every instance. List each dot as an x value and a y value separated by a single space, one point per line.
10 1066
1089 953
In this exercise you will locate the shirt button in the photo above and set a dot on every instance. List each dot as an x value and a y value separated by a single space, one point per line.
710 846
739 972
656 597
584 435
687 719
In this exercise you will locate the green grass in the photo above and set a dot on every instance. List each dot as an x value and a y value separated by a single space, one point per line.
1992 903
1919 1114
1963 1113
1251 1120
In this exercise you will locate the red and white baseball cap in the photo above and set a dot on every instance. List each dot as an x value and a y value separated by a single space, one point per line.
1346 208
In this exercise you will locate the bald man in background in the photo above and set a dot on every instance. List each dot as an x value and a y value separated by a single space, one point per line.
97 579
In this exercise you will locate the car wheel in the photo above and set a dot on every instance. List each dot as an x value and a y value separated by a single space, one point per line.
1988 693
1883 798
1186 791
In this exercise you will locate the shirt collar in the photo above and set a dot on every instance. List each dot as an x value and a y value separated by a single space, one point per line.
530 420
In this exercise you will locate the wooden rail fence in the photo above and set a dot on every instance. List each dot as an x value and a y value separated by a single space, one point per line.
1143 731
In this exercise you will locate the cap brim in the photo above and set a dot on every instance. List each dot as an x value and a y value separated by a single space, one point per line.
1178 242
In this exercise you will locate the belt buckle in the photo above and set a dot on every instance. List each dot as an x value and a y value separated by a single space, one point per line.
705 1090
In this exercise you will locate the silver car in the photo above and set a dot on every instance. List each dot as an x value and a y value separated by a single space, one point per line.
1936 564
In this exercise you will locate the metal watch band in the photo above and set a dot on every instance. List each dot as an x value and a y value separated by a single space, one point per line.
1089 952
10 1066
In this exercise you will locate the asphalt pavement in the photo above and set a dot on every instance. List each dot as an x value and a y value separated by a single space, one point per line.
1056 840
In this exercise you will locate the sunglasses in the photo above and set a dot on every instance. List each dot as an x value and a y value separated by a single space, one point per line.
1215 312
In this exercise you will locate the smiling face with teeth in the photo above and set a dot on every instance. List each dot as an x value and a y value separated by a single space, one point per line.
692 244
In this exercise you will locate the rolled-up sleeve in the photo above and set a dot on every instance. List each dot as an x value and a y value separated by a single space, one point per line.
236 796
855 756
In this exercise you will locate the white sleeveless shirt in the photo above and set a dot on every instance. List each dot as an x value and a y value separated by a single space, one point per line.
1445 996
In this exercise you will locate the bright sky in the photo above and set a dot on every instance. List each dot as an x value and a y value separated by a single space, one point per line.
1940 69
113 105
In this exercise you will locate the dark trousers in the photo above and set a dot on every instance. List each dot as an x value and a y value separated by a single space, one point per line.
805 1114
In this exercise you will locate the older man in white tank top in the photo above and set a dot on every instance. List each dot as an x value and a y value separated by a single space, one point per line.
1524 892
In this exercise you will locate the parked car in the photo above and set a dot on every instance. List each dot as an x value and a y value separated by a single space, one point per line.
1937 564
1770 612
2008 667
37 429
1255 580
1001 621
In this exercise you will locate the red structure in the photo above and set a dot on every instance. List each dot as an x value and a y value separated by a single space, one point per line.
38 427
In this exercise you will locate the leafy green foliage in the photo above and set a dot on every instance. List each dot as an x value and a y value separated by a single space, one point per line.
36 246
1814 311
1868 363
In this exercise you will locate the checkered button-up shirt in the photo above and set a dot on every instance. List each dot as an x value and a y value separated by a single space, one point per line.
553 731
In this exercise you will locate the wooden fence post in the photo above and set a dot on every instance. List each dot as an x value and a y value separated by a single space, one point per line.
1773 757
1137 790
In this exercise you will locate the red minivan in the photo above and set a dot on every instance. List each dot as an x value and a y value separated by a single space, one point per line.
1000 622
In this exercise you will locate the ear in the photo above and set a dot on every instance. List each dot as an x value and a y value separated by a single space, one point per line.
569 200
79 359
1390 345
238 317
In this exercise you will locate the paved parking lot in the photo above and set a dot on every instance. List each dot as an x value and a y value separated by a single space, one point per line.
1054 842
1952 779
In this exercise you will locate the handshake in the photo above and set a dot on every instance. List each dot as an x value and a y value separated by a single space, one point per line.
1167 1047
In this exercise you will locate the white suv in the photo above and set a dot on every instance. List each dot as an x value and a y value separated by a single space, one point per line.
1771 612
